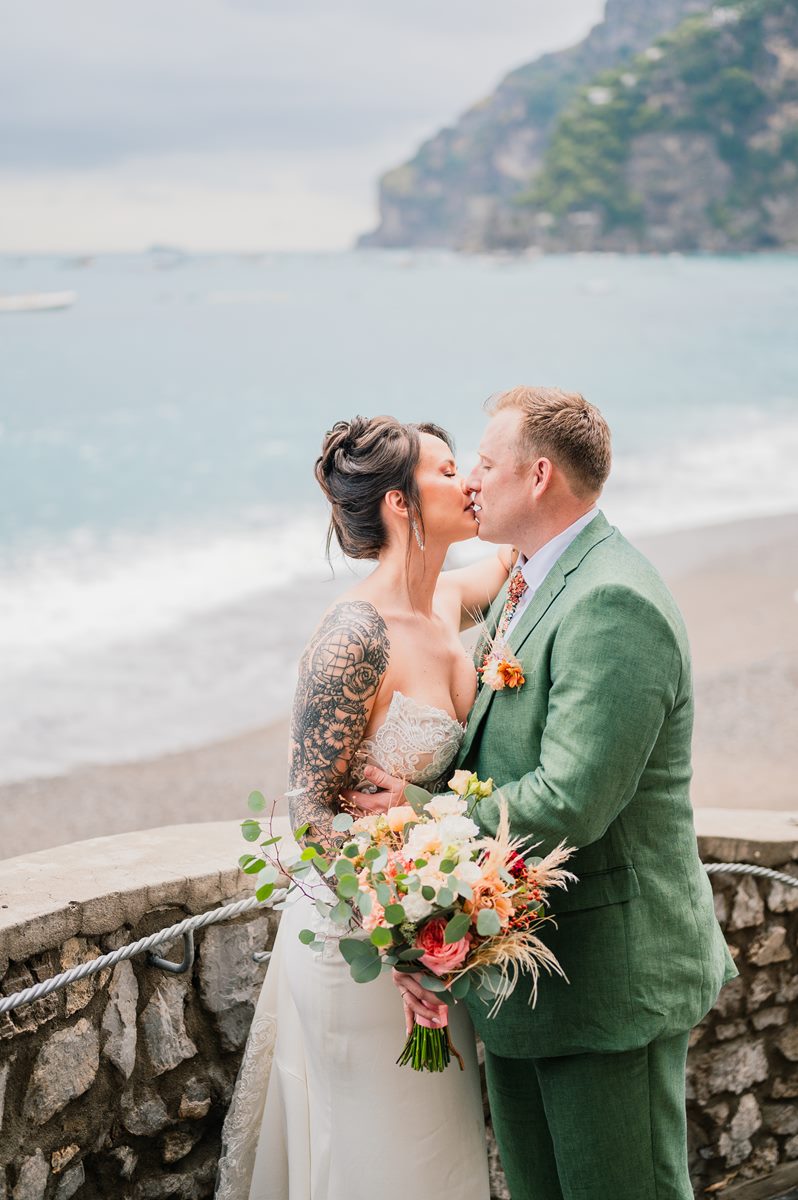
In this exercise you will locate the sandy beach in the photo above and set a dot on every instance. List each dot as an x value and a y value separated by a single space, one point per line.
737 585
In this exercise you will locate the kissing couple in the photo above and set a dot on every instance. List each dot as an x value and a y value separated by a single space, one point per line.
587 741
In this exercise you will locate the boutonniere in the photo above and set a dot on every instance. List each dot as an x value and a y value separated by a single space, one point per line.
501 669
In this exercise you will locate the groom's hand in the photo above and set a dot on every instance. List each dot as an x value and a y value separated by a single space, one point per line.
419 1002
391 793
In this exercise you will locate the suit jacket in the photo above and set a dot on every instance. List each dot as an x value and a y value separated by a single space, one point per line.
594 749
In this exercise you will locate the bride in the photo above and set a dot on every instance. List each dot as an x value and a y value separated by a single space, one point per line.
320 1111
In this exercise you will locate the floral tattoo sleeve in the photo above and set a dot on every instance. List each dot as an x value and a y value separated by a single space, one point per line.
339 675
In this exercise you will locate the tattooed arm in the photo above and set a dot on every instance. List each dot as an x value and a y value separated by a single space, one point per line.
339 675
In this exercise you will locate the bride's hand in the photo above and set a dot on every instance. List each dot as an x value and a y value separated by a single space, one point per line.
391 793
419 1002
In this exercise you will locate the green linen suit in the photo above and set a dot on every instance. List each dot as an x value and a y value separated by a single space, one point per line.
594 750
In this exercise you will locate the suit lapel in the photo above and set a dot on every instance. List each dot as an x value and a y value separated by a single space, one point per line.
598 529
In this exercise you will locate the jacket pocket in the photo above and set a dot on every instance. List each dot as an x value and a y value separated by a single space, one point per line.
597 888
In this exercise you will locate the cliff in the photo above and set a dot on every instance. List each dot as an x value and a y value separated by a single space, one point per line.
671 127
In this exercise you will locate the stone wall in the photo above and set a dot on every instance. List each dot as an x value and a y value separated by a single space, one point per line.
743 1066
118 1085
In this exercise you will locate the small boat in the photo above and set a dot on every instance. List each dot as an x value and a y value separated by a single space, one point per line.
37 301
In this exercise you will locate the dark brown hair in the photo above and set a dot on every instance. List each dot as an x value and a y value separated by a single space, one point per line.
564 427
360 461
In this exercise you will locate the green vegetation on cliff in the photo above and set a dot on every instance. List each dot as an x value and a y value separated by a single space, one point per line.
726 83
673 126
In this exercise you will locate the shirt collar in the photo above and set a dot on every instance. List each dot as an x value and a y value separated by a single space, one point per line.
536 568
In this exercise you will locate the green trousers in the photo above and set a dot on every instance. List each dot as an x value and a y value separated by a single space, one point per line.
593 1126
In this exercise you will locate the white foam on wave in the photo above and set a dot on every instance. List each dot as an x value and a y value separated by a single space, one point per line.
89 594
748 471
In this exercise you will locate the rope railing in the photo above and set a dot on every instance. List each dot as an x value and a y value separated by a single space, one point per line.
183 929
227 912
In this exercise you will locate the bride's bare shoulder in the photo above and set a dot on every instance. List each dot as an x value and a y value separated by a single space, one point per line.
352 620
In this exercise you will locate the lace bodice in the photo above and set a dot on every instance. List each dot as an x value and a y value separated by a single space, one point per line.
416 742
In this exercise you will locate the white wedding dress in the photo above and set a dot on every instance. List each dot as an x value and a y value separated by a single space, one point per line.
320 1111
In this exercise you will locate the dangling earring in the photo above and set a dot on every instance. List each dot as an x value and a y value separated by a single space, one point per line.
416 534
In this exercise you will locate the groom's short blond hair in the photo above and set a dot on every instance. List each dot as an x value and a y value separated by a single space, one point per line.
564 427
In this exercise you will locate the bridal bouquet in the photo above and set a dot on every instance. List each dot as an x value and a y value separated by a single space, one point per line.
427 893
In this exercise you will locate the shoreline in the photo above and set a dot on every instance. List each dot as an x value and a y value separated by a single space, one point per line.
737 585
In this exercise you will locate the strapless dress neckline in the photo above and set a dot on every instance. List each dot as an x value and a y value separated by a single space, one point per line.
417 742
401 701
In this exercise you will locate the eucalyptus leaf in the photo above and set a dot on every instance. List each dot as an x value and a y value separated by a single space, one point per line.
300 833
445 897
309 853
343 821
428 892
460 987
254 866
411 955
447 866
353 949
394 914
488 922
256 802
352 850
264 892
272 841
364 902
340 913
490 979
347 888
306 936
343 867
465 890
250 830
381 936
245 859
417 797
383 893
432 983
457 927
364 970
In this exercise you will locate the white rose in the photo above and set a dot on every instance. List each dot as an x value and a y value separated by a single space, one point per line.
423 841
468 871
415 906
446 805
453 831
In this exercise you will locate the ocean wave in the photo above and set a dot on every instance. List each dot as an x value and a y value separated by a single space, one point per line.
746 471
90 593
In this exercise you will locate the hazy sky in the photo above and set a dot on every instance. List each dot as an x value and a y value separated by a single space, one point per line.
237 124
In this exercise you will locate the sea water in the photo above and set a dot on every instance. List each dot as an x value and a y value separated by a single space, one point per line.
161 534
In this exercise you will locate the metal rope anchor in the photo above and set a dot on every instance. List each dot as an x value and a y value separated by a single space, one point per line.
176 968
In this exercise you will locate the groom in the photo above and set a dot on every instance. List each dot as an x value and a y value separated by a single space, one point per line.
587 1089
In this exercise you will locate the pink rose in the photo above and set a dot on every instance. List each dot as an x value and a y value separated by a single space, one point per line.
441 957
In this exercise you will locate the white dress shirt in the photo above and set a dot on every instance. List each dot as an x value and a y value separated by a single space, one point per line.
536 568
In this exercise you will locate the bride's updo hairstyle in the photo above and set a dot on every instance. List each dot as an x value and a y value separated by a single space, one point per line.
360 461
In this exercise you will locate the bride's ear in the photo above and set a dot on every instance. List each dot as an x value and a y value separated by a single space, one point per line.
396 504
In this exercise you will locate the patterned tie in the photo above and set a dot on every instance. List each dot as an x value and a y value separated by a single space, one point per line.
516 588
